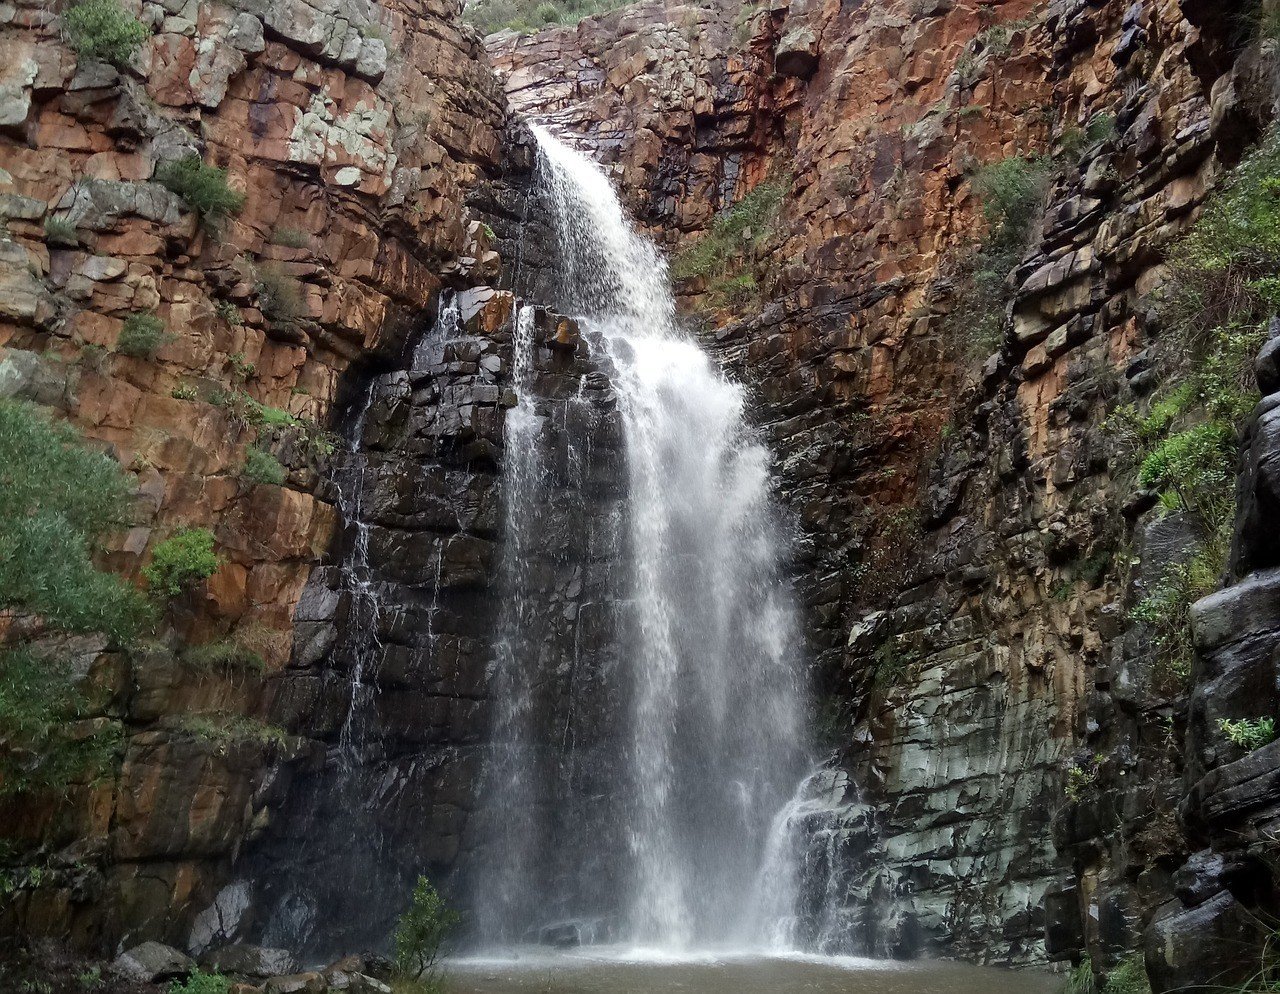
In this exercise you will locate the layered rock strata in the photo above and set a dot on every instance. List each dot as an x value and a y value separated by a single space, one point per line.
971 559
354 133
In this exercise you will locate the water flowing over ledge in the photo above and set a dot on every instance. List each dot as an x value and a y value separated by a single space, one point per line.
709 690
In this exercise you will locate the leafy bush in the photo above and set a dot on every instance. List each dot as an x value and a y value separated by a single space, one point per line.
1081 979
1012 193
102 29
204 188
735 231
279 295
1249 733
422 930
57 499
184 391
1198 466
548 13
140 336
262 467
40 746
181 561
199 982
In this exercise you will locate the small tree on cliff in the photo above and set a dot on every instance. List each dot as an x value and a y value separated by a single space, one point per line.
422 930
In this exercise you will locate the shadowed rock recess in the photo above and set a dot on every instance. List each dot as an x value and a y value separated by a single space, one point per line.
934 239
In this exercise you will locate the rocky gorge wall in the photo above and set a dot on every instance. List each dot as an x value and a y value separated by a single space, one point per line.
355 133
975 542
972 544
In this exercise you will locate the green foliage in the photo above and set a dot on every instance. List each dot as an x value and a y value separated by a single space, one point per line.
41 748
1167 608
204 188
279 295
181 561
57 499
290 238
1268 20
102 29
1081 979
242 370
1012 193
1129 977
229 313
261 466
222 729
140 336
524 16
722 256
421 931
223 655
891 665
1249 733
1197 465
60 231
1220 271
1081 775
184 391
199 982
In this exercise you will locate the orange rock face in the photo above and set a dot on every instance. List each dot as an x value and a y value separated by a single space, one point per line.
352 135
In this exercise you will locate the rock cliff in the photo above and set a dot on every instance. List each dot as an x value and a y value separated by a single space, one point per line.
1010 777
354 133
975 542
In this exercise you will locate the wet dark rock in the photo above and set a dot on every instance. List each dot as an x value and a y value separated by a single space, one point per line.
152 962
245 960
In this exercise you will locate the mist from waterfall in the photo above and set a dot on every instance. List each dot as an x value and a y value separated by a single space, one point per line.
711 733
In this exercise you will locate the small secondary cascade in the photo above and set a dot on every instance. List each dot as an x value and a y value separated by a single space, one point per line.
709 737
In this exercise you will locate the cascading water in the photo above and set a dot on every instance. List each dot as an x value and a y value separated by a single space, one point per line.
708 732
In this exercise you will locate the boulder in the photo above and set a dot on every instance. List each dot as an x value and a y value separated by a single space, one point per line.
1201 947
310 982
151 962
245 960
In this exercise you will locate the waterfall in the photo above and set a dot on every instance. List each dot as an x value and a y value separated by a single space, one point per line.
708 736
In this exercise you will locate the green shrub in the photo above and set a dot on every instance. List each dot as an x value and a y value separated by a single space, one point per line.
1249 733
1198 465
225 654
1167 608
181 561
735 233
489 16
199 982
204 188
229 313
262 467
184 391
421 931
140 336
279 295
1012 193
102 29
61 231
290 238
1081 979
222 729
1129 977
57 500
41 747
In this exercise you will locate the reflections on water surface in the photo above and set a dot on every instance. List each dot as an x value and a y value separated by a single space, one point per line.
593 973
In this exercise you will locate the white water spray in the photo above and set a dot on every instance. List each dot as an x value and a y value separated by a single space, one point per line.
711 681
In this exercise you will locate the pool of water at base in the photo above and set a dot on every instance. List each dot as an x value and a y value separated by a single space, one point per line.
597 971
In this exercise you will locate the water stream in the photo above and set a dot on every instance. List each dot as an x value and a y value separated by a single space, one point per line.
710 738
